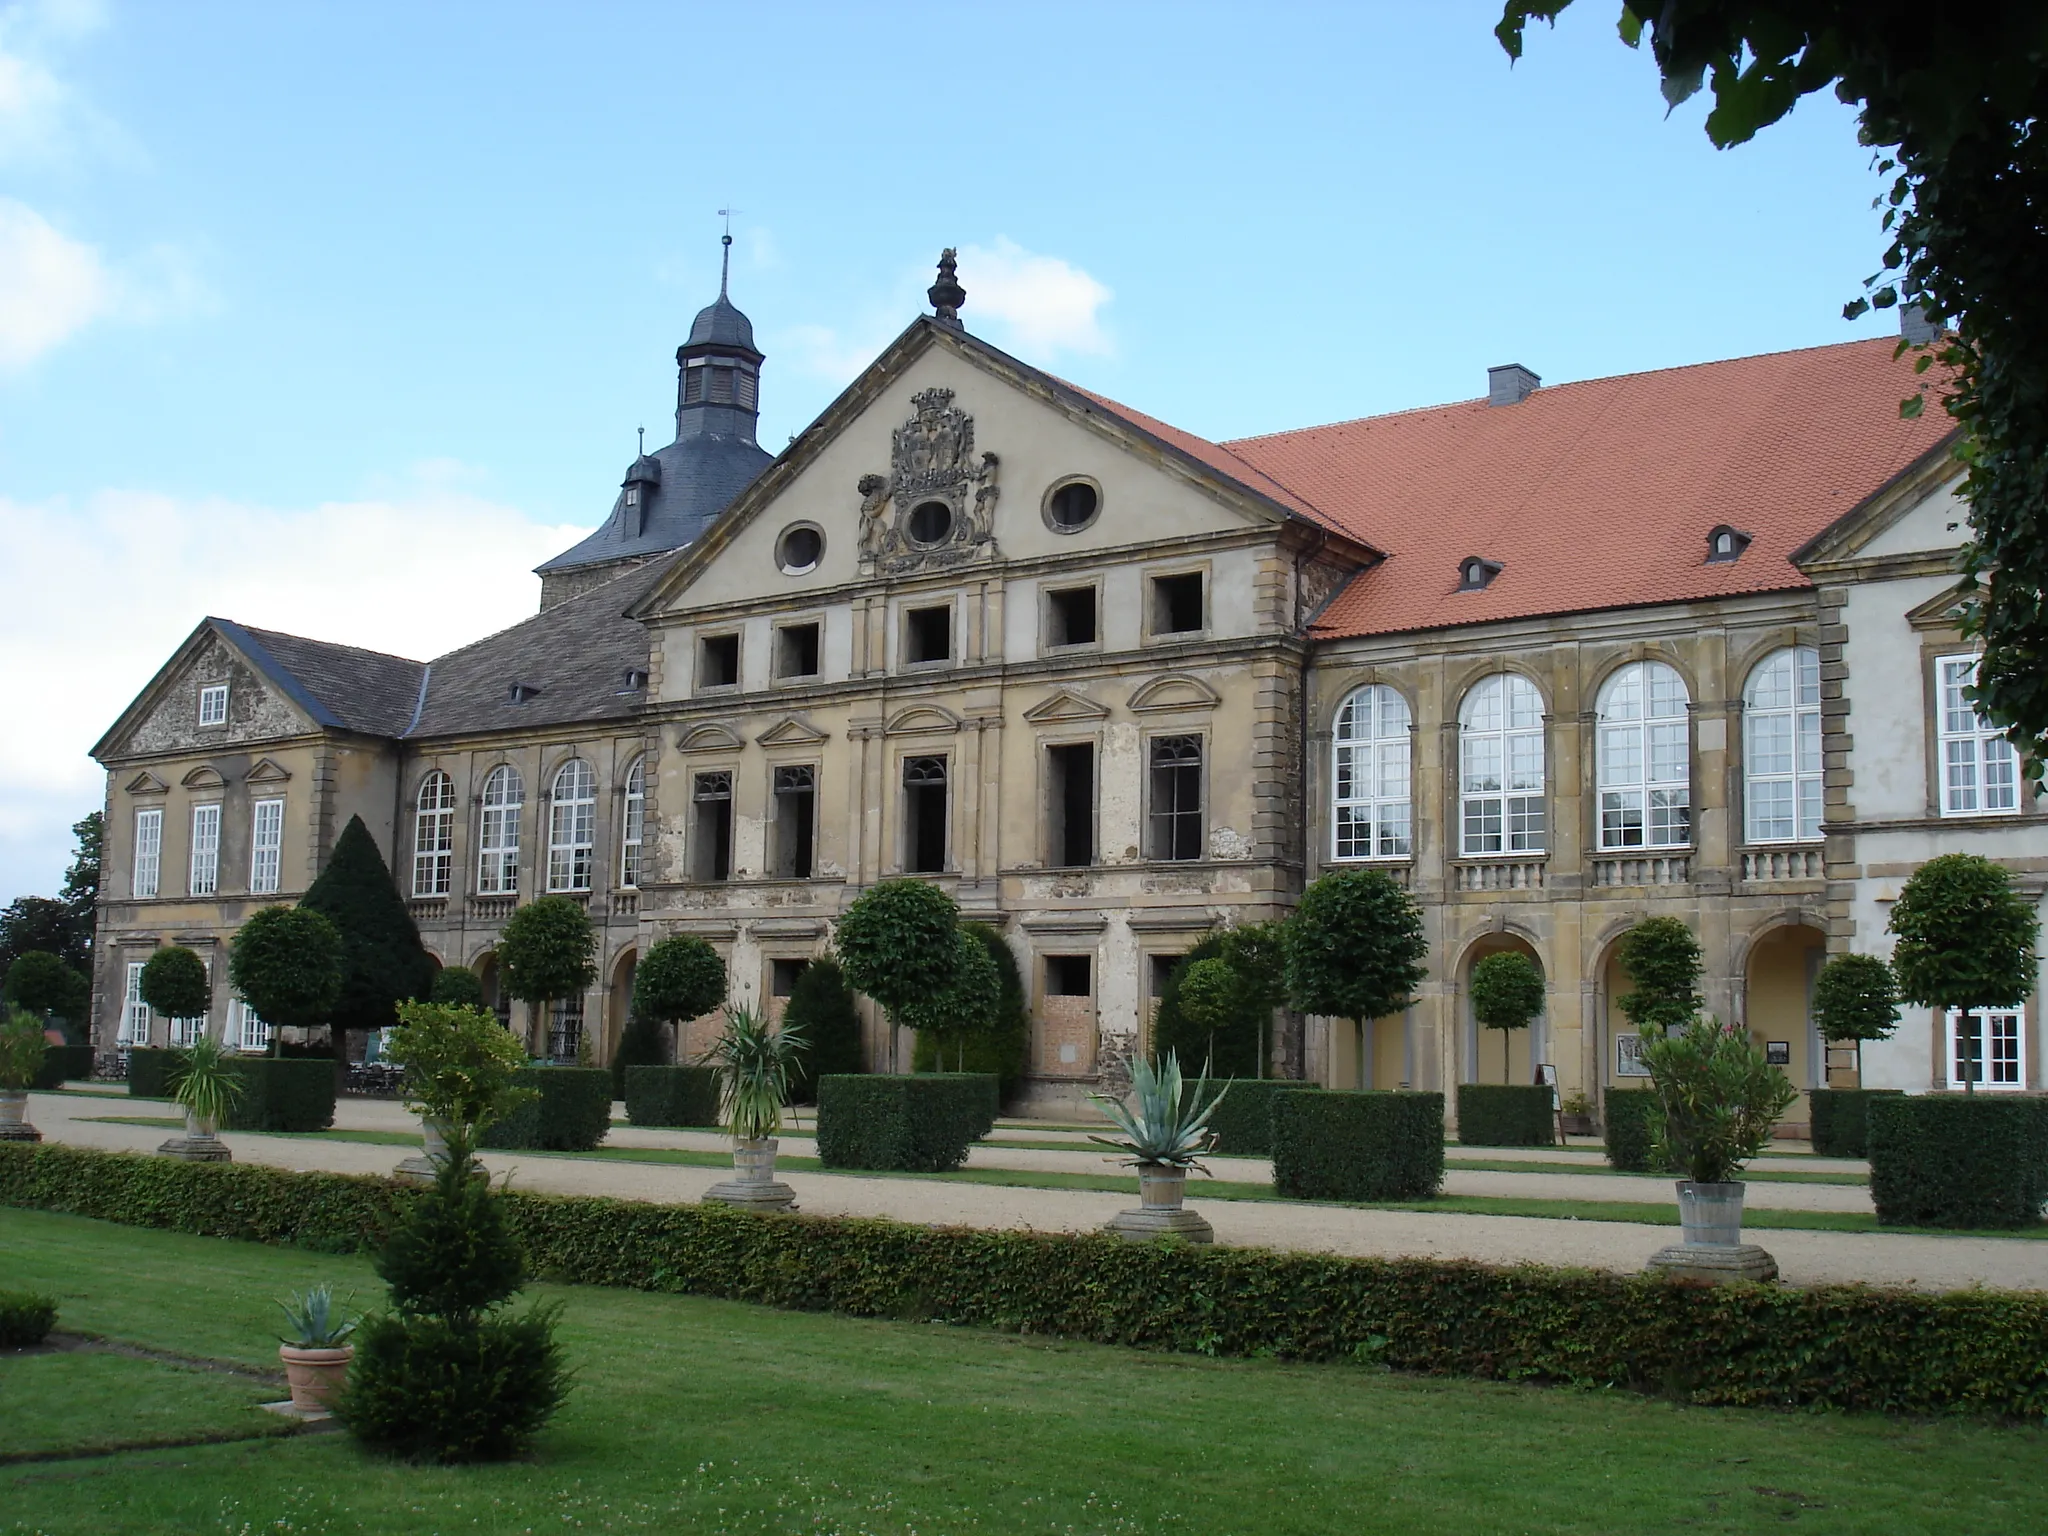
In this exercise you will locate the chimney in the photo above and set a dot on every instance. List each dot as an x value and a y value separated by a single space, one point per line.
1510 384
1917 326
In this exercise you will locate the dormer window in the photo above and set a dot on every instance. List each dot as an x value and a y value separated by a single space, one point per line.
1476 573
213 704
1726 544
519 693
632 495
634 681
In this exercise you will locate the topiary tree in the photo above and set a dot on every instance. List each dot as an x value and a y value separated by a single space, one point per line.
1507 993
681 977
43 984
457 986
1965 940
896 943
547 951
1355 947
966 1007
286 964
1856 997
1211 996
1662 959
174 983
1226 1038
821 1005
383 962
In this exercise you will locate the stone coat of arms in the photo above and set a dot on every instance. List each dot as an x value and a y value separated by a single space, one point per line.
936 507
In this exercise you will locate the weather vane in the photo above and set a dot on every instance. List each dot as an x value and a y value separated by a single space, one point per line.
725 258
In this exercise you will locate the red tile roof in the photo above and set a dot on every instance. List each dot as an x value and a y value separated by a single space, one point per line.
1601 494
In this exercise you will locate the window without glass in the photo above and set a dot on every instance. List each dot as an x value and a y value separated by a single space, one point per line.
134 1011
924 814
796 650
783 976
711 801
633 824
497 865
1069 975
1979 769
213 704
1070 804
266 846
1175 821
1369 776
1162 970
796 820
1781 747
1500 749
149 848
928 634
1644 752
1070 617
718 661
1072 506
433 836
572 827
205 870
1177 605
929 522
1987 1048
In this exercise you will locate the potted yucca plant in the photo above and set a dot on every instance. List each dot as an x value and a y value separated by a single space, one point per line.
314 1348
1165 1132
22 1048
206 1085
754 1061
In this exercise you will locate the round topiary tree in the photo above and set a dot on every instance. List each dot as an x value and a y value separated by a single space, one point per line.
457 986
1662 959
286 964
1507 993
1965 940
547 951
1856 997
821 1006
174 983
896 944
1211 995
966 1007
1355 947
681 977
42 983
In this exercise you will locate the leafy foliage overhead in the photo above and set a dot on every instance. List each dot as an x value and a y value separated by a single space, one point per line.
286 963
1965 938
42 983
1355 947
547 950
383 962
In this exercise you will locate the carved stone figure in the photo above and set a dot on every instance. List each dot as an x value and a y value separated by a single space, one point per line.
931 460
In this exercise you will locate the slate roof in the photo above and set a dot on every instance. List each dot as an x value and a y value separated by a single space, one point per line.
340 686
700 475
721 322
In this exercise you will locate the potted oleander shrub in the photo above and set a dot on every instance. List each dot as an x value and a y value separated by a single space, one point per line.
755 1061
315 1348
1165 1132
22 1049
459 1067
206 1085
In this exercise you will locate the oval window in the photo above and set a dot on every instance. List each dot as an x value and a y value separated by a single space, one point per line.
930 522
1072 506
799 550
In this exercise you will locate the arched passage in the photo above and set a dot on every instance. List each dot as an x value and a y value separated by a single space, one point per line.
1484 1057
1778 974
618 1004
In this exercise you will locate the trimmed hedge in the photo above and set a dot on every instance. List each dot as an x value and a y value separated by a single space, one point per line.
572 1111
1506 1115
26 1319
1839 1127
64 1064
281 1094
1629 1113
1243 1121
674 1096
149 1072
921 1124
1358 1146
1841 1347
1941 1160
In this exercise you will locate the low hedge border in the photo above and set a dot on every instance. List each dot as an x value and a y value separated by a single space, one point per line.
571 1111
1627 1113
149 1072
281 1093
1955 1160
672 1096
919 1124
1844 1347
1243 1121
1358 1146
1506 1115
1839 1119
64 1064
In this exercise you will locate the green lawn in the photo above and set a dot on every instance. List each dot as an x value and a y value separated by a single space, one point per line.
77 1401
714 1417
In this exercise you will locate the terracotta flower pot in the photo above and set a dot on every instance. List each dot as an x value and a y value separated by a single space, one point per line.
316 1375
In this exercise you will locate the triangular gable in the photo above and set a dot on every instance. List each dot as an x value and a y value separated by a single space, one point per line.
172 673
711 736
147 783
1887 506
922 720
790 731
267 772
1064 707
204 777
1944 610
1177 691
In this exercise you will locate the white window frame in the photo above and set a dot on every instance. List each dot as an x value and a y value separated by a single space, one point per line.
572 826
2001 1041
204 875
1980 772
135 1017
1790 778
633 824
247 1031
433 836
1372 805
1643 758
266 847
1503 811
149 851
185 1031
497 860
213 704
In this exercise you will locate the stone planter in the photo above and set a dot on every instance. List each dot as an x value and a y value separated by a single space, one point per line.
752 1186
1710 1216
316 1375
1160 1212
199 1144
1575 1125
434 1152
14 1124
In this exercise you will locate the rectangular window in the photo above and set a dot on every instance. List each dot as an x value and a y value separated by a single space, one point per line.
1070 804
134 1011
633 828
149 848
712 802
1987 1047
246 1029
433 851
205 850
1163 967
796 650
693 383
1177 605
928 635
1069 975
796 821
185 1031
213 704
565 1030
1070 617
718 661
1176 813
1979 769
783 976
924 814
266 846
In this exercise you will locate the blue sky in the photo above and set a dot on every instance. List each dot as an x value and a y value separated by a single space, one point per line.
339 317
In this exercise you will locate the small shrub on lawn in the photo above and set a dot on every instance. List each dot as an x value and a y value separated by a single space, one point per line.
1243 1118
1358 1146
673 1096
1506 1115
571 1110
1954 1161
921 1124
25 1319
1840 1123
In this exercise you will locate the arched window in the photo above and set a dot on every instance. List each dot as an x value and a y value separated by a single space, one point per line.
497 867
1979 769
633 824
1369 776
1644 759
1781 746
433 836
1500 759
572 826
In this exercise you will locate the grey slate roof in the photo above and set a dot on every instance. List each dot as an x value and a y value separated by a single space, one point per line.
340 686
722 323
700 476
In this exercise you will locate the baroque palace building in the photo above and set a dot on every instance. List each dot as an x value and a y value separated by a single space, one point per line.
1556 659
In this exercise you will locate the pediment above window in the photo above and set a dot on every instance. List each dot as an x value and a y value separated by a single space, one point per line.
790 731
710 736
147 783
1174 692
1063 707
204 777
267 772
922 720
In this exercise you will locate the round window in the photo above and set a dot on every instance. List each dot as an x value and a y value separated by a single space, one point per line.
930 522
799 550
1072 507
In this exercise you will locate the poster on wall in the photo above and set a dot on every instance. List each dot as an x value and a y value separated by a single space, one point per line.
1628 1056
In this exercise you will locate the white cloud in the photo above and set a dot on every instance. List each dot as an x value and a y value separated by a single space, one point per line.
40 117
50 285
126 575
1046 303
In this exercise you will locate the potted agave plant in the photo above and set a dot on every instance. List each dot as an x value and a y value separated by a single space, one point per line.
22 1048
754 1060
206 1085
1165 1132
313 1350
1720 1099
